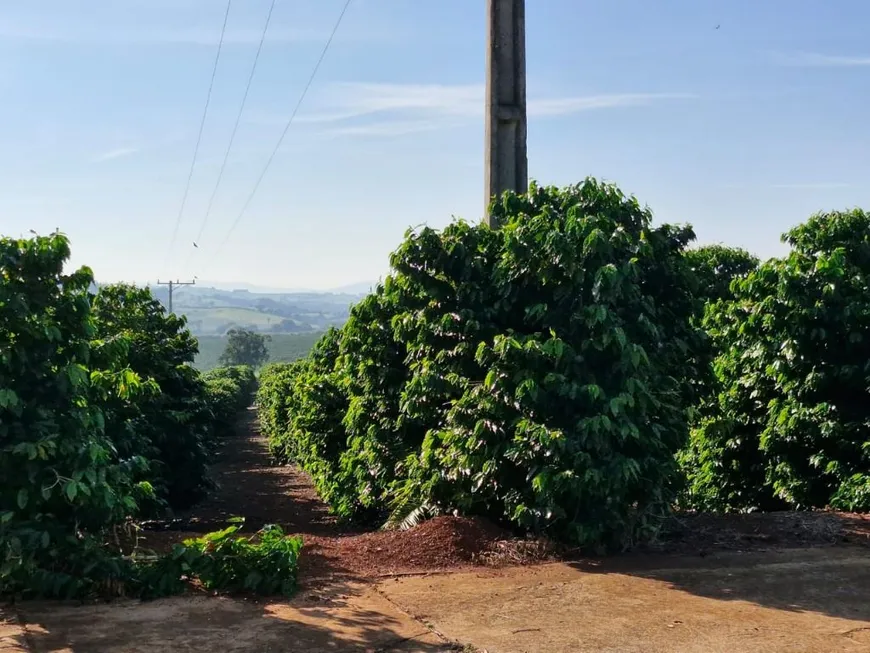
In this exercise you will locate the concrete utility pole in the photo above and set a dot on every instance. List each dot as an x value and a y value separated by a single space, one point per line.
172 286
505 161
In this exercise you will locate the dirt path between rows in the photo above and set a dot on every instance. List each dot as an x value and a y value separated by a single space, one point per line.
735 584
335 609
250 486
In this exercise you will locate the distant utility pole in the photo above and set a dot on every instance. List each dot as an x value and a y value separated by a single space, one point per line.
172 286
505 159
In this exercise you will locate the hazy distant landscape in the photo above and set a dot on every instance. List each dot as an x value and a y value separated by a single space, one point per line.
293 319
213 311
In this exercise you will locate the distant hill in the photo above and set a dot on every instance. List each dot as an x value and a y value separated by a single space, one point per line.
212 311
362 288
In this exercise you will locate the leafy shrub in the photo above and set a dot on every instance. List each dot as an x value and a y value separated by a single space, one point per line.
229 391
789 425
241 375
276 379
301 409
101 418
536 374
171 425
63 486
716 267
223 397
265 563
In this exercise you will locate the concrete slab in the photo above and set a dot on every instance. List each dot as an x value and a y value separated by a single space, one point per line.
811 601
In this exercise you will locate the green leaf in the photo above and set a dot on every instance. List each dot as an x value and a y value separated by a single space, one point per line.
71 490
8 398
615 406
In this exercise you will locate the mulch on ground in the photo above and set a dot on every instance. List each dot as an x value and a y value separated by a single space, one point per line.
249 486
439 544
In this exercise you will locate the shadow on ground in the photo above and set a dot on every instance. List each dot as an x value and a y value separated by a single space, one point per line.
345 617
809 562
332 611
812 601
249 486
826 581
737 584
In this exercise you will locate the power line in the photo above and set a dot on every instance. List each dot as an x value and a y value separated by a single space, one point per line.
235 128
286 127
172 286
199 137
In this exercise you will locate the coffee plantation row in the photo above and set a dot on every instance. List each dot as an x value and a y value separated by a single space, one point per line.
580 372
104 422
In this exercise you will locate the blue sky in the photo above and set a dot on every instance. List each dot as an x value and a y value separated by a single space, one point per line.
742 131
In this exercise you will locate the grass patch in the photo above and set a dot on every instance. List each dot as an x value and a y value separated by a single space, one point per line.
284 348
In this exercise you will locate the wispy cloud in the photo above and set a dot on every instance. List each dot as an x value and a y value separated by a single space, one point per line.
564 106
116 153
347 100
396 109
813 186
816 60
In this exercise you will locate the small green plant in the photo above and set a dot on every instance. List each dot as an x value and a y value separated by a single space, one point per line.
264 563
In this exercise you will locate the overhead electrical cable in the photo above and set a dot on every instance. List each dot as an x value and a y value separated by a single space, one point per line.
286 127
235 129
199 136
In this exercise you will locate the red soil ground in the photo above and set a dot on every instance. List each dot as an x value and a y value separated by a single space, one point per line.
249 486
